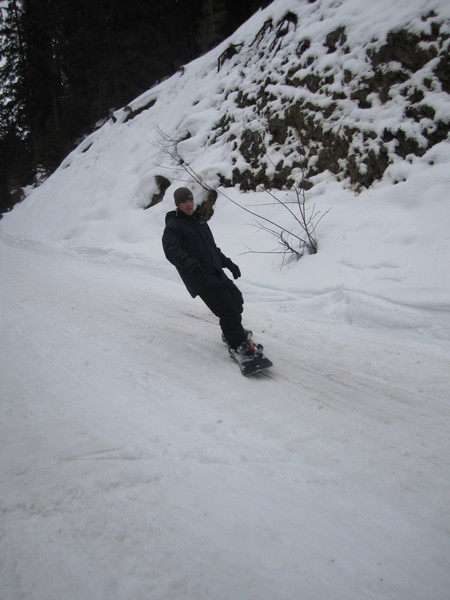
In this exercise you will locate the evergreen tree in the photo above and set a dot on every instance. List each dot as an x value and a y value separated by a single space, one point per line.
45 103
15 167
214 15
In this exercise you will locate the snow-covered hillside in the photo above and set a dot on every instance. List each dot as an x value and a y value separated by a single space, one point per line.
136 461
383 254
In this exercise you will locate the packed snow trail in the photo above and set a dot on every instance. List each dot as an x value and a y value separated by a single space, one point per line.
137 462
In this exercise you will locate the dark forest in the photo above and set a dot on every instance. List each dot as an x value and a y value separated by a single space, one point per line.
66 64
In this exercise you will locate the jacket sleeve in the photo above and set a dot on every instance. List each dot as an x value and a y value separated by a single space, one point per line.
172 245
224 259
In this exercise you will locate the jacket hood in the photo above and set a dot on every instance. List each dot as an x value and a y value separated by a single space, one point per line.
172 214
176 214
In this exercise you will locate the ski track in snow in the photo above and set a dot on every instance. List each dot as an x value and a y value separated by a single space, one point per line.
141 464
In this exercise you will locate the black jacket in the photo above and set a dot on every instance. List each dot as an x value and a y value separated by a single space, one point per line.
187 237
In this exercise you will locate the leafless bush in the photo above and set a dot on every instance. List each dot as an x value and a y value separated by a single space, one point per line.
295 240
301 238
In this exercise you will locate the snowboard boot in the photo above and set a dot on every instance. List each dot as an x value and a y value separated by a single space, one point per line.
247 349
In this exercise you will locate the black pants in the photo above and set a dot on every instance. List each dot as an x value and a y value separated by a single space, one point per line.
225 300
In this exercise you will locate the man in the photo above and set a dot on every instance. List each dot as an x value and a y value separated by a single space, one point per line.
189 245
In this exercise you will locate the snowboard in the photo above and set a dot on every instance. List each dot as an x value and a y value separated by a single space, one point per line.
250 365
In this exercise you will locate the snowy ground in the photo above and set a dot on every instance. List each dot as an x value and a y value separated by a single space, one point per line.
138 463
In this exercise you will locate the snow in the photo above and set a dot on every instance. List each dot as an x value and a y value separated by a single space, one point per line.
141 464
136 461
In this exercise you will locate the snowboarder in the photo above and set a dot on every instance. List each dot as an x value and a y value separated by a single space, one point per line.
189 245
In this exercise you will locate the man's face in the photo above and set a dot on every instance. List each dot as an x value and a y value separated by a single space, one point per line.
187 207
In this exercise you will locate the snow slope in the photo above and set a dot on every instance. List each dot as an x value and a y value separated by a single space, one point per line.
137 462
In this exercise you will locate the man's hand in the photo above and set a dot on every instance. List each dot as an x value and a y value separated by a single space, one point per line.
234 269
192 265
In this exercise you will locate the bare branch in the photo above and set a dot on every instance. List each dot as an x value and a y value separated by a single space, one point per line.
305 220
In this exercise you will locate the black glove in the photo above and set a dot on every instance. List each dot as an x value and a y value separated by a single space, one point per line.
192 265
235 270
